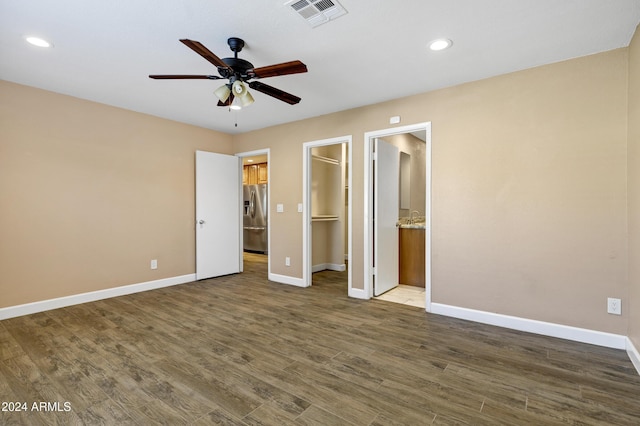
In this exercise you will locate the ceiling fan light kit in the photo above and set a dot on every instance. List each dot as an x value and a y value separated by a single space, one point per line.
223 92
246 99
239 89
239 72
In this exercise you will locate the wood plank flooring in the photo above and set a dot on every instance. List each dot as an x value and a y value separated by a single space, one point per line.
240 350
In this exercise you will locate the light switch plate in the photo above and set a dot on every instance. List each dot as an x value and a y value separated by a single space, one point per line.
299 207
279 208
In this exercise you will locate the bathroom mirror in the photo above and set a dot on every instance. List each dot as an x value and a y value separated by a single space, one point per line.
405 180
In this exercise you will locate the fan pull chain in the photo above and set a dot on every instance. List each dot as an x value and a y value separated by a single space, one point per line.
235 116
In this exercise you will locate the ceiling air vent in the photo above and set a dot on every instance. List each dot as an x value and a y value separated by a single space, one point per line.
317 12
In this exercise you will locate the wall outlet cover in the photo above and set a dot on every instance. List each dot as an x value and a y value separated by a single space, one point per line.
614 306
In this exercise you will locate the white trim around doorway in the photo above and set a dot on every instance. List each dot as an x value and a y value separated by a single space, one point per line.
306 207
369 138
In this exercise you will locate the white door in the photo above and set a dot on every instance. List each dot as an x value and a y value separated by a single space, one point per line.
386 172
217 214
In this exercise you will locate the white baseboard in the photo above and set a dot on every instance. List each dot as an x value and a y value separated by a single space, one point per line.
358 293
330 266
610 340
317 268
285 279
61 302
634 355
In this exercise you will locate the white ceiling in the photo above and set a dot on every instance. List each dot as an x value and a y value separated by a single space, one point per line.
105 50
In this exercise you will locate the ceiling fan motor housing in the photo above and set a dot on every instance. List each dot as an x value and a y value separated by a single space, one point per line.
239 66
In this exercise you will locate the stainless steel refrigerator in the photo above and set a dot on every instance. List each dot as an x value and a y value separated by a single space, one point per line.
255 217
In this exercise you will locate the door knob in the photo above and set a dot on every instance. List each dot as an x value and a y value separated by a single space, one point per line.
201 222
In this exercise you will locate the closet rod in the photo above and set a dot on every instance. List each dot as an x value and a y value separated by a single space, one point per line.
326 159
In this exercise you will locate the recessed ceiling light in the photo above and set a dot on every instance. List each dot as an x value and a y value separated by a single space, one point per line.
37 41
440 44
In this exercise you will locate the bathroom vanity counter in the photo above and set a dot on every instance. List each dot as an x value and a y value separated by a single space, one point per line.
418 222
418 225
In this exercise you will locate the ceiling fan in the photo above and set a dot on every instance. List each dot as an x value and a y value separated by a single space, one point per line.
238 72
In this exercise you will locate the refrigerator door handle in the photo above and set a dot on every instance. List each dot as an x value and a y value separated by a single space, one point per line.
252 206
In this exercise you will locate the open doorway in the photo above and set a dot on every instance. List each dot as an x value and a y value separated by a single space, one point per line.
254 214
389 202
327 200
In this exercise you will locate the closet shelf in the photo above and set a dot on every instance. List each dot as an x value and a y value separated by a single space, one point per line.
324 218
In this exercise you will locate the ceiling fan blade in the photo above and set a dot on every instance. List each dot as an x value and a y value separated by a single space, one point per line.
285 68
228 102
180 76
199 48
276 93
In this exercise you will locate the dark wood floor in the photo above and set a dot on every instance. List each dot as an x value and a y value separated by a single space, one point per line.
242 350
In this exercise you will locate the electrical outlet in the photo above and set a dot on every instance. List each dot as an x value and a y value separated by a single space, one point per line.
287 261
613 306
154 264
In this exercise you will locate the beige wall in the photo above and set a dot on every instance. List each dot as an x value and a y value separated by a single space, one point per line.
634 190
89 194
529 189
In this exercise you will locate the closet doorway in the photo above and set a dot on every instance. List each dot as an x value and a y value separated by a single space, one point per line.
326 207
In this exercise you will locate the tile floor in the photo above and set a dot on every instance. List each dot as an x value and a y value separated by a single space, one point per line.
405 294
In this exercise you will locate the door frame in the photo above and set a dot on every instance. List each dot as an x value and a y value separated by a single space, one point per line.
369 138
241 155
306 207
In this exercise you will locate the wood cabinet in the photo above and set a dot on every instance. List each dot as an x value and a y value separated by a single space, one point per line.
262 173
411 261
255 174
